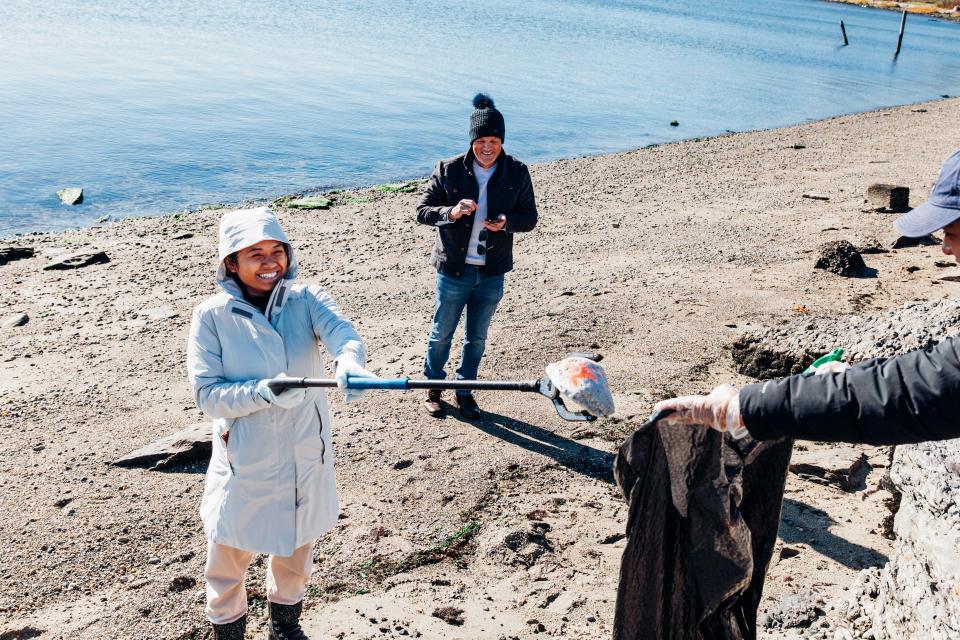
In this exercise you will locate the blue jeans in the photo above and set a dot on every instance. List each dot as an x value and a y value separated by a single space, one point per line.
480 294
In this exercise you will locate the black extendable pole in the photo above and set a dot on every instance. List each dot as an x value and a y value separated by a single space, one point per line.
401 384
478 385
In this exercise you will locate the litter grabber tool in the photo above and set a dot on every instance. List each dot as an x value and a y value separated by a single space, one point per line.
578 378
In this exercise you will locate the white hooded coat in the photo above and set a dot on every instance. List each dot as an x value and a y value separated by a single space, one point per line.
271 488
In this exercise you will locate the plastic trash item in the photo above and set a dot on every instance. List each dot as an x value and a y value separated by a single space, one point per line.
583 381
834 356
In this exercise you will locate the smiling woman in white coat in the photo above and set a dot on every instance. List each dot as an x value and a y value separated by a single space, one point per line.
270 487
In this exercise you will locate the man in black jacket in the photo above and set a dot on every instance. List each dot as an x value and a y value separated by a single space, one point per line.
477 201
910 398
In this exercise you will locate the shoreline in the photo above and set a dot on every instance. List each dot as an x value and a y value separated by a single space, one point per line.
659 258
365 190
928 9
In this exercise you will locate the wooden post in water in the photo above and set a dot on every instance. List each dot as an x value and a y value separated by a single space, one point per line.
903 22
843 30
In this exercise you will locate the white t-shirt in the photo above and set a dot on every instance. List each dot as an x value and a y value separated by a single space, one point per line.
483 177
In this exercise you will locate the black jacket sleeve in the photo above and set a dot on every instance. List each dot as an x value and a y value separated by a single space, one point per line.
910 398
524 216
433 207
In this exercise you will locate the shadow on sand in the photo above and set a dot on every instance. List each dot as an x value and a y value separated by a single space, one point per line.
568 453
799 522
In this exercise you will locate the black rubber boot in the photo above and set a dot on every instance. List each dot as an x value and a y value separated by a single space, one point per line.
231 631
285 622
468 407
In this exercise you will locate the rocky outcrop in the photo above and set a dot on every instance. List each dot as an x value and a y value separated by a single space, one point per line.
917 593
790 348
920 586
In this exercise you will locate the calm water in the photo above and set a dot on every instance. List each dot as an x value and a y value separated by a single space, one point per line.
153 106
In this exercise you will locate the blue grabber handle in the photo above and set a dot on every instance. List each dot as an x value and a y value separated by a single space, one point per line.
398 384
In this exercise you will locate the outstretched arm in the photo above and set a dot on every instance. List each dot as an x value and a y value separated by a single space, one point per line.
914 397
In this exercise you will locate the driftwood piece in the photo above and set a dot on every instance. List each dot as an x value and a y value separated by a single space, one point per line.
186 445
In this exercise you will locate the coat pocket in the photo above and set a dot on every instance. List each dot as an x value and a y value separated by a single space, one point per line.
323 445
252 449
229 439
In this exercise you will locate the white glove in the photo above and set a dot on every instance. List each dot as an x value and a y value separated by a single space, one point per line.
286 399
833 366
720 410
349 367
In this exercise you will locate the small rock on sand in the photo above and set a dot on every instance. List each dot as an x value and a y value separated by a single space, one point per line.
795 610
9 254
182 583
842 258
16 320
159 313
788 552
843 466
186 445
78 260
904 242
315 202
889 197
872 246
450 615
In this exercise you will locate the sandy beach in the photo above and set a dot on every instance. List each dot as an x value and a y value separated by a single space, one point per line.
659 258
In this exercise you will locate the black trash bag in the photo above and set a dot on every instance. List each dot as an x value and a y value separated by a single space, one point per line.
703 520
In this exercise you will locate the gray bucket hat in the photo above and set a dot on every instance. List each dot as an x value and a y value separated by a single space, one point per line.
941 209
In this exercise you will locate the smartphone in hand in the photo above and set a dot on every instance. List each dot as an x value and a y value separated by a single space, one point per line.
499 220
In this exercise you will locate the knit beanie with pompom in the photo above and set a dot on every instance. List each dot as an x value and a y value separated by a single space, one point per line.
485 120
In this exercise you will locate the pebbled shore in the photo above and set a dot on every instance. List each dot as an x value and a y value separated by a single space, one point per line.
930 8
659 258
